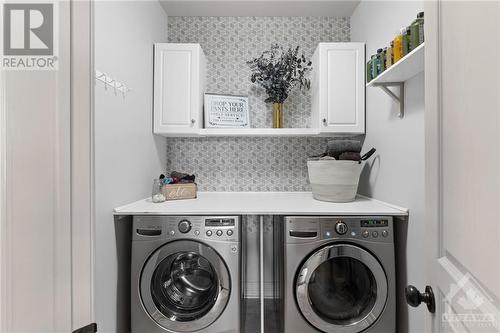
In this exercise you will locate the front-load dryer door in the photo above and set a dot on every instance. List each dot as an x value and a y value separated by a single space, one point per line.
341 289
185 286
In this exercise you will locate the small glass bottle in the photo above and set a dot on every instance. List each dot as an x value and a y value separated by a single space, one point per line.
384 58
374 66
389 55
157 193
397 48
380 61
406 41
420 22
369 71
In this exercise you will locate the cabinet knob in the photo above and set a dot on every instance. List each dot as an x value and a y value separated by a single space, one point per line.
324 121
193 121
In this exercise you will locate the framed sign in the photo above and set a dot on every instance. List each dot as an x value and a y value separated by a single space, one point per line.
226 111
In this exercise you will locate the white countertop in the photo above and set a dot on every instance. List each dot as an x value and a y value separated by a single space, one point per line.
259 203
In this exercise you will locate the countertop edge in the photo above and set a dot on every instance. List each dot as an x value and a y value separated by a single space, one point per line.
392 210
402 209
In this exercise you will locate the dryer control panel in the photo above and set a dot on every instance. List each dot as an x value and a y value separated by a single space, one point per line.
304 229
214 228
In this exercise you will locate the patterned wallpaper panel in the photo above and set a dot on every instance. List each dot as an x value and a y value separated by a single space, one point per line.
244 164
228 42
250 164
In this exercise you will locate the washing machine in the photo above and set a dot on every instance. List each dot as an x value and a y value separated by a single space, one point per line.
339 275
185 274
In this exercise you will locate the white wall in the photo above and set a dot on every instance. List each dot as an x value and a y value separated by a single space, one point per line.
127 155
396 175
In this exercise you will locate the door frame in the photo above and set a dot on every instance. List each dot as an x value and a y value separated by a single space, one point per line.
433 147
82 163
74 241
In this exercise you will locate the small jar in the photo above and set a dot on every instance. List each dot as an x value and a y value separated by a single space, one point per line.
389 60
406 41
384 58
380 61
414 35
397 49
420 22
374 66
369 71
157 193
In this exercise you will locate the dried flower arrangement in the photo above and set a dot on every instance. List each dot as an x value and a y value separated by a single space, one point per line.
279 71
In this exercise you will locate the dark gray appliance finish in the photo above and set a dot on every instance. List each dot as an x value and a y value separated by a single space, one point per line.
185 274
339 275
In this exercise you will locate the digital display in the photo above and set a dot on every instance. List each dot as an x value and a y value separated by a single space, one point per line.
219 222
374 223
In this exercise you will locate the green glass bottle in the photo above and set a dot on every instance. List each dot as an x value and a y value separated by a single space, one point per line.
380 61
374 66
420 21
406 42
369 71
417 31
414 38
384 59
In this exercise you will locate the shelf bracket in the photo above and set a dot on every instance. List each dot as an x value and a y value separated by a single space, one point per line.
398 99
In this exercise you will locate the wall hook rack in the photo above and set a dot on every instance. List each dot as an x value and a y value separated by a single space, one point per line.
398 99
108 81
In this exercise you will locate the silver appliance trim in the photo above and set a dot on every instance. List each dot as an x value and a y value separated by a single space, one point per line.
224 285
336 251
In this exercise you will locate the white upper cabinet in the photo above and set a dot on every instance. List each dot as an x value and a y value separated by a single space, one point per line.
179 85
338 88
337 92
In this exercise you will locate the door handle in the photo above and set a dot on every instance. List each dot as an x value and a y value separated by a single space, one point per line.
414 297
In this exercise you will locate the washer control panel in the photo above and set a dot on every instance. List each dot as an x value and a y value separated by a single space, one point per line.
214 228
371 228
220 227
302 229
374 228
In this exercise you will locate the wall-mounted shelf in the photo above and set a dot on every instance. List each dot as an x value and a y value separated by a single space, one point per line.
259 132
396 76
337 90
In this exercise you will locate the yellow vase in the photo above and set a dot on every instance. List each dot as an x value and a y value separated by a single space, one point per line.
277 115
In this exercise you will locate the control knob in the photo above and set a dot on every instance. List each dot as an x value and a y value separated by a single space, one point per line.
184 226
341 228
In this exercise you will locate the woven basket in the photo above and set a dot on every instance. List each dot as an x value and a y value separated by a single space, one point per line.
334 181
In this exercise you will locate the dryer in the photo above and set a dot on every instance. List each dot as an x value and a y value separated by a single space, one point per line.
185 274
339 275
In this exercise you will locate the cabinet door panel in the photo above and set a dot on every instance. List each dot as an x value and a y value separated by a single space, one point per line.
342 89
176 88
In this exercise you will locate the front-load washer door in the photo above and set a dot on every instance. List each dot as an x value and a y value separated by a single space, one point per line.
341 288
184 286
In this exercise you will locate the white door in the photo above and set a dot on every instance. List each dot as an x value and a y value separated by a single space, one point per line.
46 267
463 165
